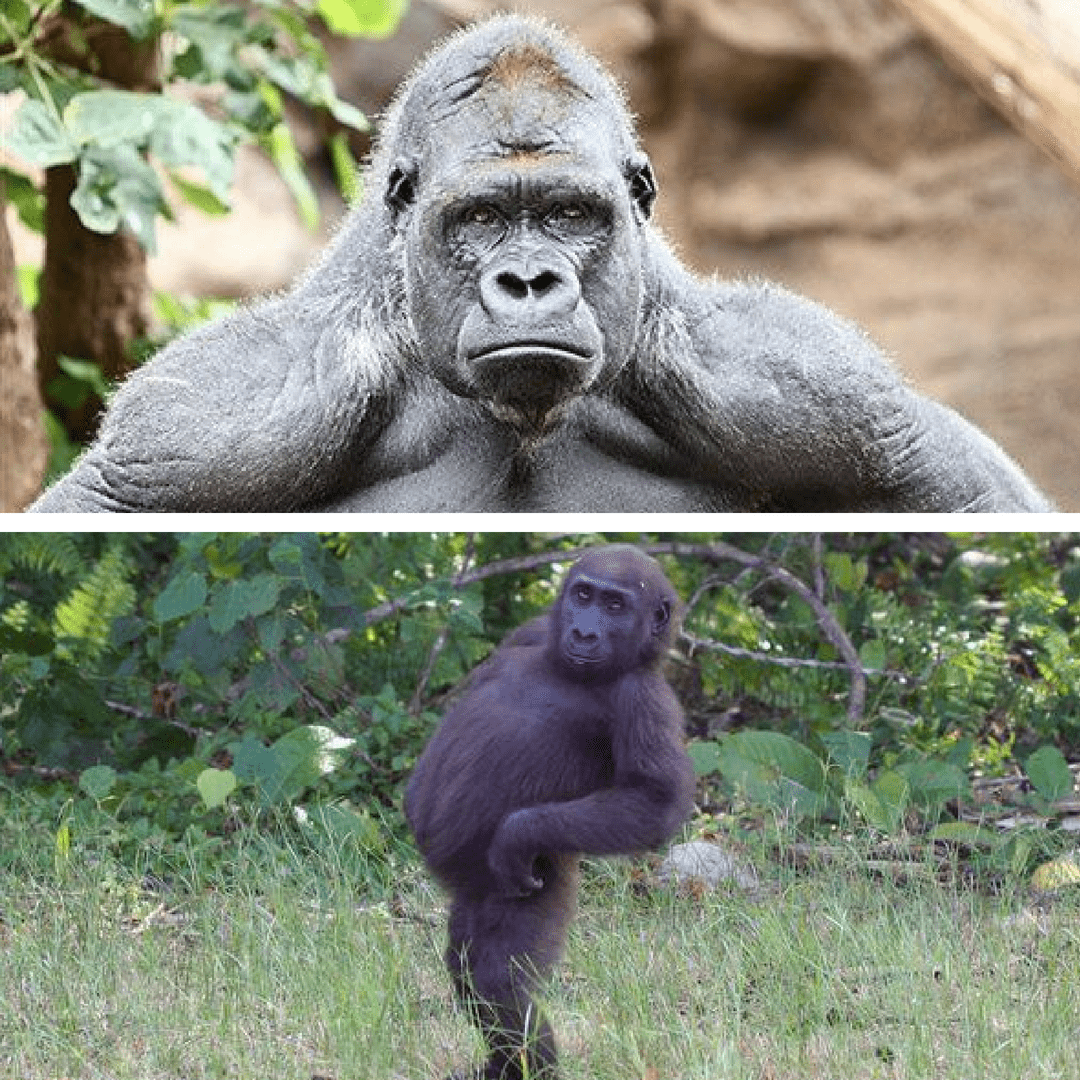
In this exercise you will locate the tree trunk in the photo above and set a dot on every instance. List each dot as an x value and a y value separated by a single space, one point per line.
95 295
1023 56
24 450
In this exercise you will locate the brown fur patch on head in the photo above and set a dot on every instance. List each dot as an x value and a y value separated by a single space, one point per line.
528 65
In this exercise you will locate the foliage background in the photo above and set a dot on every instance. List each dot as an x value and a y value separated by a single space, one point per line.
159 691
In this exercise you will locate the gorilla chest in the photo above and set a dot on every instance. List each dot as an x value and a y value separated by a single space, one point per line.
479 467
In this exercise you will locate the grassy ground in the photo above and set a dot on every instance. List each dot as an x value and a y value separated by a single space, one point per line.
288 972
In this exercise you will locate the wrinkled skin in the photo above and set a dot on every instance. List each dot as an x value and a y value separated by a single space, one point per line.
498 327
567 741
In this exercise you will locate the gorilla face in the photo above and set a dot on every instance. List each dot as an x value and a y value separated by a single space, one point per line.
613 615
522 246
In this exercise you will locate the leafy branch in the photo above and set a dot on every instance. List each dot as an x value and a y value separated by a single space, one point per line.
249 60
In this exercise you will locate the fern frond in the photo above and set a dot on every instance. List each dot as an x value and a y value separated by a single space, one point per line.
87 613
52 553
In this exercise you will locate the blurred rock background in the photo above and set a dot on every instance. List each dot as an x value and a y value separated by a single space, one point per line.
821 143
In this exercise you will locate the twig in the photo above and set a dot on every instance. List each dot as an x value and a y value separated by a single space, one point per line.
440 640
718 551
709 645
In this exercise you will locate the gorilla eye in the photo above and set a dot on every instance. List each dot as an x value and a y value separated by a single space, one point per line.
571 218
480 225
583 592
481 215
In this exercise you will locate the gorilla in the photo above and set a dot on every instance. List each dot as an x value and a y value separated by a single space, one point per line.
567 741
498 327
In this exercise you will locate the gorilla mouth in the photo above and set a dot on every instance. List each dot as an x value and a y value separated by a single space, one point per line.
525 351
528 383
582 658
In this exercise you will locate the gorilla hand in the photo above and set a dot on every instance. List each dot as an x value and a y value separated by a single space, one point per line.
512 859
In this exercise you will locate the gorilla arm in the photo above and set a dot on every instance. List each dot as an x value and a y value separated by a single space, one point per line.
650 796
801 411
260 411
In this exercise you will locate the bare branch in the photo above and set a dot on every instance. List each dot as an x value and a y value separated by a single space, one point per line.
718 551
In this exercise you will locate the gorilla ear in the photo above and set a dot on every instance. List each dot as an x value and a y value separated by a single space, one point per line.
642 183
661 617
401 188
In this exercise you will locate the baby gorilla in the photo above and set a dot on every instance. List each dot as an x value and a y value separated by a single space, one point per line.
568 741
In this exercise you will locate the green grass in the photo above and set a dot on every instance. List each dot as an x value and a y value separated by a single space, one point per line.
286 969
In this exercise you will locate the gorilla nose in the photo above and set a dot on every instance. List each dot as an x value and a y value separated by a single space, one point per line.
536 296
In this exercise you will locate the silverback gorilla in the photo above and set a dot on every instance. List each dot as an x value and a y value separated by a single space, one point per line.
498 327
568 741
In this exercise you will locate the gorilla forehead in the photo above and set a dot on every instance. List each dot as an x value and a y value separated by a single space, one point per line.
519 163
524 77
622 565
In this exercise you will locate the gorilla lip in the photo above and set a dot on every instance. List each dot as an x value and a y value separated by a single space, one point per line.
583 658
523 350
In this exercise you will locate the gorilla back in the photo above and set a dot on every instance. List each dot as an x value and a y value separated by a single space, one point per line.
499 327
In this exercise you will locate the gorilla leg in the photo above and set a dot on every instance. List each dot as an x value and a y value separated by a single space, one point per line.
499 950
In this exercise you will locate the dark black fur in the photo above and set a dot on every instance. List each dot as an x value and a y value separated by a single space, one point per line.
568 741
499 327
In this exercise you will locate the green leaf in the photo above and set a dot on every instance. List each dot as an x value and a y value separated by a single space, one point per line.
346 170
848 751
239 599
63 841
367 18
118 188
28 642
774 769
215 32
883 804
64 722
112 117
286 158
85 371
215 786
184 135
846 573
198 196
137 17
344 113
305 754
344 825
705 756
257 764
29 289
39 138
24 195
175 132
1049 773
966 833
932 782
85 615
183 595
298 556
97 781
873 654
282 771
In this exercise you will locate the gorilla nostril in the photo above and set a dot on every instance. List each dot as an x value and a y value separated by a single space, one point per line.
513 285
544 282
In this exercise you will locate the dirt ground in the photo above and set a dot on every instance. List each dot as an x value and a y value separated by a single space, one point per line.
820 143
